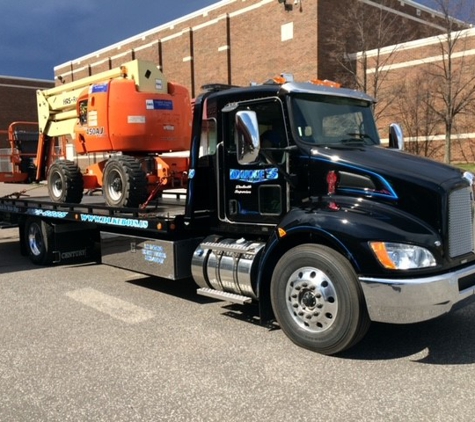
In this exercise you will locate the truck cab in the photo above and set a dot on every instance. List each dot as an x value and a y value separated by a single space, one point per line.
323 225
300 119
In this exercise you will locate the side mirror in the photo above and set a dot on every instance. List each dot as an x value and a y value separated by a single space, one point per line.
396 138
246 137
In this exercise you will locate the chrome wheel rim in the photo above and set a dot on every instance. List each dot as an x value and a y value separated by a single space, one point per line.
311 299
56 185
114 186
35 240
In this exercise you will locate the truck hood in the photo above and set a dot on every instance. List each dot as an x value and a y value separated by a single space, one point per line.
390 164
415 185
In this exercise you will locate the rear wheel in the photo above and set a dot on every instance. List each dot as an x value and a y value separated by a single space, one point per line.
65 182
124 183
38 241
317 299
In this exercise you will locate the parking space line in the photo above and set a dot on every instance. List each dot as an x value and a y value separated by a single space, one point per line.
110 305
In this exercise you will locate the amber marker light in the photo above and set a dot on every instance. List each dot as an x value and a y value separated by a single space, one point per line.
159 226
281 232
280 80
379 249
326 82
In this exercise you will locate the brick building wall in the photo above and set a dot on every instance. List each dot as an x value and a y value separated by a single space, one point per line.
18 99
343 22
242 41
18 103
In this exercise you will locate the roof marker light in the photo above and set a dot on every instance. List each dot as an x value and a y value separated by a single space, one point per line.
326 82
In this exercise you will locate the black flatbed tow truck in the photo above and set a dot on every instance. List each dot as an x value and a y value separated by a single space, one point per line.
325 228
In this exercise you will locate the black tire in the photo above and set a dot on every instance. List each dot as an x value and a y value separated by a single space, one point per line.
27 166
32 173
65 182
124 183
317 299
38 241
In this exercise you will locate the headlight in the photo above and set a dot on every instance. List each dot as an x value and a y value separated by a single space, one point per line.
399 256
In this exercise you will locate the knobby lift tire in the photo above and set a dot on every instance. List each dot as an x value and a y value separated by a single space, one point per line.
65 182
317 299
124 182
39 241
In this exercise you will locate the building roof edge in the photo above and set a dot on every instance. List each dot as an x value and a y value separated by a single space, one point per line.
156 29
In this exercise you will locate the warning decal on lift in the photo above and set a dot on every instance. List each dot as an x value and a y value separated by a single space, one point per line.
159 104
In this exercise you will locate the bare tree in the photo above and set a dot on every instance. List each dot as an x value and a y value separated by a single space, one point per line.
359 43
453 78
415 110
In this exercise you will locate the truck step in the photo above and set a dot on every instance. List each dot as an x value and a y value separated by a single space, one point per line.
226 296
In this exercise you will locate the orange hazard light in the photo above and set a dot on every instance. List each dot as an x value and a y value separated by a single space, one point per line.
326 82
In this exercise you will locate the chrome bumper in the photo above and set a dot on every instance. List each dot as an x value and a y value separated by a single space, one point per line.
402 301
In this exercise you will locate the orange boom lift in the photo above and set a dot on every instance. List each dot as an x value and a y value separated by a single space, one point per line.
132 118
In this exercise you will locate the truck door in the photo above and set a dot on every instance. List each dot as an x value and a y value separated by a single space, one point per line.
257 192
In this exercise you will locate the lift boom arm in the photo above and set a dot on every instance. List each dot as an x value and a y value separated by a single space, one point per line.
57 115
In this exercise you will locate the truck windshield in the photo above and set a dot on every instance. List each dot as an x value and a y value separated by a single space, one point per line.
324 120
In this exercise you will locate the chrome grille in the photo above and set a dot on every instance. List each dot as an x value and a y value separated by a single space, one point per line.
460 222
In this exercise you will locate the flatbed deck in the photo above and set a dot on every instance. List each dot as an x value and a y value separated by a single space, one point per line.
162 215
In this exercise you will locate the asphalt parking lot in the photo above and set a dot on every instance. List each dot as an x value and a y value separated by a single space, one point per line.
89 342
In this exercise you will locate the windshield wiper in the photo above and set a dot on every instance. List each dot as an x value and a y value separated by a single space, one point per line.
353 141
360 137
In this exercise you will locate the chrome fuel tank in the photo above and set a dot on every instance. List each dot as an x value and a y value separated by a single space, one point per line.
228 265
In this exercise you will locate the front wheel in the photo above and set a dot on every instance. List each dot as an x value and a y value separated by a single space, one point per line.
124 182
317 299
65 182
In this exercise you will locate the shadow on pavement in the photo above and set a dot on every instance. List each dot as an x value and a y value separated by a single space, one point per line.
11 259
184 289
445 340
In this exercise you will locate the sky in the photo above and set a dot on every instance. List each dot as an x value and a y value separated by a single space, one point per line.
36 36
